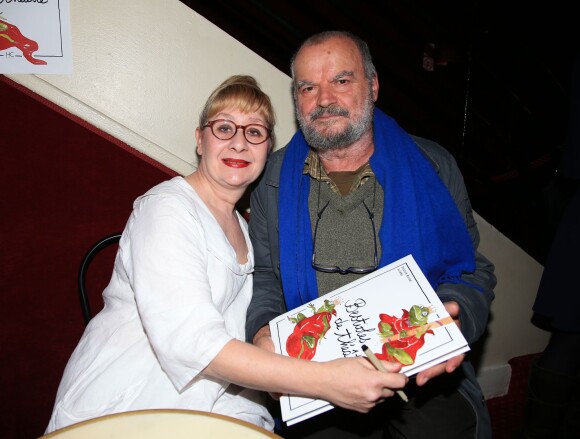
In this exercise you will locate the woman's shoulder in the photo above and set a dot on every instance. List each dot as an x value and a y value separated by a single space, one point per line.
175 194
176 186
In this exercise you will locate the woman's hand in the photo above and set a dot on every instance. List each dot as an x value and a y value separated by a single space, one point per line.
355 384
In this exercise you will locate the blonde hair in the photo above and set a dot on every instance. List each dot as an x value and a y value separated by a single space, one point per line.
241 92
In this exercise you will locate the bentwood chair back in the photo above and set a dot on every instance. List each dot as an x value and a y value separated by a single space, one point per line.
94 250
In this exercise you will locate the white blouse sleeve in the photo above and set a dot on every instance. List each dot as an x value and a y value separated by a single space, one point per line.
167 267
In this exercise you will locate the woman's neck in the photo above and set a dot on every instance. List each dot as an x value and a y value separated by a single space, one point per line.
221 202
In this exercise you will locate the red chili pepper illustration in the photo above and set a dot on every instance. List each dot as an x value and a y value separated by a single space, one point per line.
302 346
10 36
405 335
308 332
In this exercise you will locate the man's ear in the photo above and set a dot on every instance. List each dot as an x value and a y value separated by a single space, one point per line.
375 87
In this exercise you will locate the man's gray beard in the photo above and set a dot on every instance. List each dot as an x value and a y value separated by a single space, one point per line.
339 140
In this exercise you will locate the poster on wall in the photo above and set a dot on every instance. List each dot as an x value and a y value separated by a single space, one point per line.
35 37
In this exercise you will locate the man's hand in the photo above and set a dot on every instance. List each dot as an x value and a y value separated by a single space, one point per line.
450 365
263 340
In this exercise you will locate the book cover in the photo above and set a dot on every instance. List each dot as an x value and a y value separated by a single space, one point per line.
394 311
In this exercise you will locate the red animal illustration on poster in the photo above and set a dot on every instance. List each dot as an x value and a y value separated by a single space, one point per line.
404 336
10 36
309 331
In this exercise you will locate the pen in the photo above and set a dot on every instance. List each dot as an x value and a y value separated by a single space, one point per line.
377 363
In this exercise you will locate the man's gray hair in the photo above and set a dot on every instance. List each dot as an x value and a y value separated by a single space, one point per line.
321 37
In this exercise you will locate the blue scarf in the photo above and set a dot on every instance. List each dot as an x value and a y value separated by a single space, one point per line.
419 216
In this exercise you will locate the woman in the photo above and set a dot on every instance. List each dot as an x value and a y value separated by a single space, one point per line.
171 334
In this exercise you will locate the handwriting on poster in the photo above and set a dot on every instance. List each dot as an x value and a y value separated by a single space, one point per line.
353 328
24 1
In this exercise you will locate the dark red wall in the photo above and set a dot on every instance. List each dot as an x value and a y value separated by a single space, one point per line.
64 185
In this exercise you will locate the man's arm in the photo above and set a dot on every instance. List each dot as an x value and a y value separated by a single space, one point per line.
468 303
475 295
268 298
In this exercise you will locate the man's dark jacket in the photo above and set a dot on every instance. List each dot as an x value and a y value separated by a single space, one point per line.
268 298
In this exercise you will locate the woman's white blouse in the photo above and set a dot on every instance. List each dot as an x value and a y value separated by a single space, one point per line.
176 297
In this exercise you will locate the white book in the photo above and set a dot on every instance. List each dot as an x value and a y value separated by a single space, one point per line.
394 311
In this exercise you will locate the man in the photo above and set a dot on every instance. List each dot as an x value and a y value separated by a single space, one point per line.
352 192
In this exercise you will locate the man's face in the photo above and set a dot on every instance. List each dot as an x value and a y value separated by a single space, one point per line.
334 99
